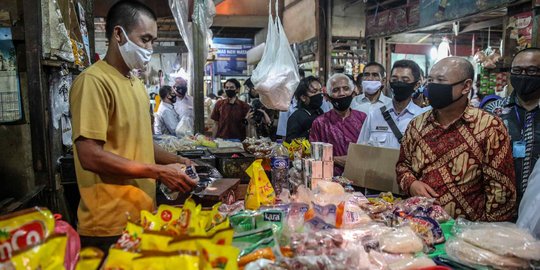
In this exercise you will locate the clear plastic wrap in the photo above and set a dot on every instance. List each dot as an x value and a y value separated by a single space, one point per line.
411 264
502 238
465 253
401 240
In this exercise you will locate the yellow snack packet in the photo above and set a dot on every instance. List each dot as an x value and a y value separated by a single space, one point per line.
189 220
168 215
89 259
187 243
119 259
260 191
23 229
48 255
217 257
223 237
166 261
131 238
220 226
150 221
155 241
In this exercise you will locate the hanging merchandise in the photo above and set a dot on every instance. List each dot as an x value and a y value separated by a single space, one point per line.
276 76
489 57
84 30
81 55
56 42
60 83
10 93
203 17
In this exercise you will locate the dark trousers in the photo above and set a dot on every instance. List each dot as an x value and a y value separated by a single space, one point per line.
103 243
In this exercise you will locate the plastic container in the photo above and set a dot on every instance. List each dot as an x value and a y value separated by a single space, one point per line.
279 163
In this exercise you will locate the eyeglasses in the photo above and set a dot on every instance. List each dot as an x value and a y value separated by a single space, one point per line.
530 70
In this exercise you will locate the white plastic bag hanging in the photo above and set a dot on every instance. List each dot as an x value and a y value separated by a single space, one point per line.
184 127
276 76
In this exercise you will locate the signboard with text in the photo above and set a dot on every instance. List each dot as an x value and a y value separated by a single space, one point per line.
231 55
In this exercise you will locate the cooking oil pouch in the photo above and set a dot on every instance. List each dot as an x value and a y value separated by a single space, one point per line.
187 243
119 259
130 240
167 261
23 229
217 257
155 241
259 191
168 214
210 218
150 221
48 255
89 259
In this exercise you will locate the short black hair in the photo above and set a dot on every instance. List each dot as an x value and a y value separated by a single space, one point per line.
303 87
413 66
164 91
381 67
125 13
220 93
530 49
234 81
249 83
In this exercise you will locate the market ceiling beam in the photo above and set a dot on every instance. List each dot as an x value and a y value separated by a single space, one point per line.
482 25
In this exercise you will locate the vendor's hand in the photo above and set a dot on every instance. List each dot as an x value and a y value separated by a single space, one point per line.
419 188
174 178
185 161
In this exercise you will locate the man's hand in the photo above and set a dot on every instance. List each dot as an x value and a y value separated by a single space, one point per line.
185 161
174 178
249 115
419 188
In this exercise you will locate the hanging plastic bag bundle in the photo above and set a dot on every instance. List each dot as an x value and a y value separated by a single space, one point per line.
276 76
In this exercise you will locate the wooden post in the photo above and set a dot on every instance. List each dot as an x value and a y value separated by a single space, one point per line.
322 36
198 78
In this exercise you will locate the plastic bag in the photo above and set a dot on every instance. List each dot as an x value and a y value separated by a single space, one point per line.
529 216
473 256
502 238
401 240
184 127
73 242
276 76
410 264
259 191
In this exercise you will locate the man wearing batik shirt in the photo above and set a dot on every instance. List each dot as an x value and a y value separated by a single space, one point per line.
458 154
341 125
519 113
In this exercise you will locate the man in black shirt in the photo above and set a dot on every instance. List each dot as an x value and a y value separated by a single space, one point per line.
310 98
520 114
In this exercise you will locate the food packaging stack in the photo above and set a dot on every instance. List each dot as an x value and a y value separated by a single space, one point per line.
320 166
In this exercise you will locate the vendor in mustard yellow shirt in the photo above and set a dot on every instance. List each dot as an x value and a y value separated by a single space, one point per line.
116 160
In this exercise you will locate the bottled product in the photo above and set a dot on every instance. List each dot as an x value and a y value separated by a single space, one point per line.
279 162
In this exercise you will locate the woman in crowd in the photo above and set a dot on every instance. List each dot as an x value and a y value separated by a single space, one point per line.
310 98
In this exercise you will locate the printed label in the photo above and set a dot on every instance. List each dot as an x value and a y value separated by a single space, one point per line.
25 236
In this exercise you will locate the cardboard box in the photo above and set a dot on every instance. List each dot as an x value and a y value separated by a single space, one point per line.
328 170
372 167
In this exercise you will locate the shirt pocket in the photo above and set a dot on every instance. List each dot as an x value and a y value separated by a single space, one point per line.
378 138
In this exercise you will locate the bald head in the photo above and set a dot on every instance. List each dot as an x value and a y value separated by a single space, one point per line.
179 81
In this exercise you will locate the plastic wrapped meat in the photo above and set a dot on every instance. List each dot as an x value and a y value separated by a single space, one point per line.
401 240
410 264
505 239
465 253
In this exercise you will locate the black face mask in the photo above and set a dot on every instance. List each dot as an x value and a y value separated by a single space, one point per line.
527 87
173 99
182 90
315 102
341 104
402 90
440 95
230 93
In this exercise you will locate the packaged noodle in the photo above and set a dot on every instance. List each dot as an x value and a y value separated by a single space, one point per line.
89 259
166 261
158 241
23 229
259 191
47 255
119 259
217 257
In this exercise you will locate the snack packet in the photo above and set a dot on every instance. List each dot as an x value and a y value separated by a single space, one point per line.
119 259
23 229
157 241
130 240
49 255
259 191
166 261
217 257
89 259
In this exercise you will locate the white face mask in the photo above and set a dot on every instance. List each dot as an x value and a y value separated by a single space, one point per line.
371 87
134 56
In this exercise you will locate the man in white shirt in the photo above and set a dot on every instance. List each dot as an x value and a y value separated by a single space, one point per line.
166 118
184 102
386 125
373 81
